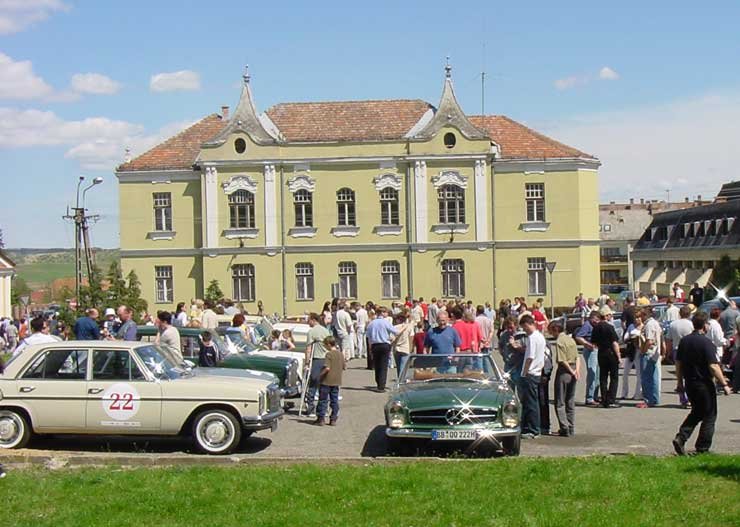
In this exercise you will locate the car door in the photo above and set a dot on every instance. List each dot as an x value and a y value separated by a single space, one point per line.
121 399
53 387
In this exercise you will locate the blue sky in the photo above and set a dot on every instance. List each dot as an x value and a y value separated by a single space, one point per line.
653 91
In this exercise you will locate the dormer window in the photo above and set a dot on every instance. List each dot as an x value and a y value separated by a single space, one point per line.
240 145
450 140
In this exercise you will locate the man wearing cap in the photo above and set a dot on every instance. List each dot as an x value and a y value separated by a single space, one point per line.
110 324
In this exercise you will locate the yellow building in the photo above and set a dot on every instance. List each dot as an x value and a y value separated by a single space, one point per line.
369 200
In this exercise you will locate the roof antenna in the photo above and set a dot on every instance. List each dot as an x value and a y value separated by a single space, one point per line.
448 68
246 75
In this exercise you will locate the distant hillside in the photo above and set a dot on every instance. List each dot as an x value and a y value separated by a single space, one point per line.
40 267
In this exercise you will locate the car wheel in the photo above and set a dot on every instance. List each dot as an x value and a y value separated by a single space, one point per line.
511 445
15 430
216 432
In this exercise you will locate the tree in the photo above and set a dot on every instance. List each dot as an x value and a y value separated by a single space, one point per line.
117 288
133 295
18 288
92 294
213 291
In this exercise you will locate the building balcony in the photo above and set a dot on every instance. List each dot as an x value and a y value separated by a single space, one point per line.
618 258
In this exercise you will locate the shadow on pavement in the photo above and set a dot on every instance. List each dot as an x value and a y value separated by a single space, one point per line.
375 444
136 445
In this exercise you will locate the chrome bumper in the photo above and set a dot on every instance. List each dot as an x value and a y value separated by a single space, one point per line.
290 391
263 422
412 433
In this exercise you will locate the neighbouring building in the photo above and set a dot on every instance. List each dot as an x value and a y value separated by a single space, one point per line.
684 245
621 225
368 200
7 271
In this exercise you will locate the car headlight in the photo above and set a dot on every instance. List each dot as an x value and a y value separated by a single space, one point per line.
510 415
396 415
261 405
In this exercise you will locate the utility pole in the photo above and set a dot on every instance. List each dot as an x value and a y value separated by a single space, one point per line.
83 250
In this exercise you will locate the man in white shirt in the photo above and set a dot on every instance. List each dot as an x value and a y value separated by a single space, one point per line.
677 331
433 312
534 362
362 320
671 313
40 335
208 319
652 339
417 313
168 336
679 293
485 325
345 331
715 332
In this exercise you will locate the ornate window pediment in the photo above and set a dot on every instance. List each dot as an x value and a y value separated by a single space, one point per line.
449 177
301 182
239 183
388 180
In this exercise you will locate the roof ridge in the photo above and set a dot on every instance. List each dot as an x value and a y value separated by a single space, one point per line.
348 101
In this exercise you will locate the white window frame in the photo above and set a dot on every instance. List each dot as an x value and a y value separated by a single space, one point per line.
303 206
346 208
390 279
243 278
304 278
453 278
163 284
537 276
162 211
241 210
451 197
347 280
535 202
389 207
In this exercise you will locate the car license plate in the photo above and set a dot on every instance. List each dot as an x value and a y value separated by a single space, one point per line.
454 435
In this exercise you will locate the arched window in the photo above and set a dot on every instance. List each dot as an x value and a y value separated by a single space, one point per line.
346 208
451 204
241 209
389 206
303 203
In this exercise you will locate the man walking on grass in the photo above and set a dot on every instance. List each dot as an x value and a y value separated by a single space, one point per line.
696 371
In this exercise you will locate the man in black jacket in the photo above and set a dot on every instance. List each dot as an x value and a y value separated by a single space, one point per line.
605 338
696 371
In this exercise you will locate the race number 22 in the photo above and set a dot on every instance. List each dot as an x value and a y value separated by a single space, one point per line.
122 401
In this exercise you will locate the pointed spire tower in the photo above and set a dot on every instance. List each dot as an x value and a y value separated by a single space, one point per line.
246 120
449 113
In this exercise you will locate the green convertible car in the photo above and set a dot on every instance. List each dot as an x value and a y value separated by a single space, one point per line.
285 369
453 398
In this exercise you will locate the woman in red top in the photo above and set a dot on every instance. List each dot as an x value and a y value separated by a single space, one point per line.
540 320
468 330
419 338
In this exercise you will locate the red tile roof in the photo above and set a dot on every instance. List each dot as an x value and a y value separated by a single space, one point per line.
520 142
350 121
347 120
179 151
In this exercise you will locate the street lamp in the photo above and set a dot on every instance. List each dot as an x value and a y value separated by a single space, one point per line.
96 181
550 266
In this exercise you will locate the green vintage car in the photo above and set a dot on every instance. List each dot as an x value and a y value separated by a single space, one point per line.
286 370
453 398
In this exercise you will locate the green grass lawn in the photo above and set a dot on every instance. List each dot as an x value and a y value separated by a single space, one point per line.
565 491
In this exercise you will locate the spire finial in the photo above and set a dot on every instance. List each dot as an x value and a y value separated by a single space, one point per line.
246 75
448 68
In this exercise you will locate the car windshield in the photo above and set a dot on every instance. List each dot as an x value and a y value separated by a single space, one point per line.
237 338
162 362
453 368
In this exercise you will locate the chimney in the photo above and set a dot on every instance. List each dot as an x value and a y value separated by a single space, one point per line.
225 113
686 199
642 201
632 201
612 203
698 198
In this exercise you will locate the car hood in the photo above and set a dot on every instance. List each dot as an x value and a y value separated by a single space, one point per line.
445 394
238 374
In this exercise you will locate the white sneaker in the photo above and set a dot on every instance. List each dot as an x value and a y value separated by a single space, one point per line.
2 472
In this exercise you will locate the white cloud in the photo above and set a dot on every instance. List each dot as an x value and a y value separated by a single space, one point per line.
94 83
97 143
608 74
688 146
566 83
184 80
17 15
18 81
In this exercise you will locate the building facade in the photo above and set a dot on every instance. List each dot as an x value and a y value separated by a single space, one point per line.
621 225
367 200
684 246
7 271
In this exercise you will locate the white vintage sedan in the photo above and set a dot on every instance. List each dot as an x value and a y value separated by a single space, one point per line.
130 388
